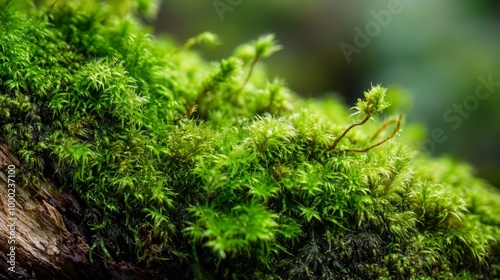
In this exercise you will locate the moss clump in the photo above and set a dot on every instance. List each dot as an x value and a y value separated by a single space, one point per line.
208 170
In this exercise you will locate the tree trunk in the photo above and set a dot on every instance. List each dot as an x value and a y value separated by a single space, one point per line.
38 240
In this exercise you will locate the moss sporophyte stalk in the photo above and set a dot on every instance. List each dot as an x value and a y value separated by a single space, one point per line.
209 170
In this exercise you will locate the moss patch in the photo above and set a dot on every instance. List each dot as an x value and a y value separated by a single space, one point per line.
209 170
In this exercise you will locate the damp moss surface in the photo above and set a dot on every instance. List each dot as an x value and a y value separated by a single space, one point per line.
210 170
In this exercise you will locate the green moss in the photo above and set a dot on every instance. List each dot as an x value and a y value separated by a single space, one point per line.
208 170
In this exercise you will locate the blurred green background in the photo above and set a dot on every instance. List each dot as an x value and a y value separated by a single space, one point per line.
432 50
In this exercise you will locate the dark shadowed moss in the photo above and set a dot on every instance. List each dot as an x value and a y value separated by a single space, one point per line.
209 170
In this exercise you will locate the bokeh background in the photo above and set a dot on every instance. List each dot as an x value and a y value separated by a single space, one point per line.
434 51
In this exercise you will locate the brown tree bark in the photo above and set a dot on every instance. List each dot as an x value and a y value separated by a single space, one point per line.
37 241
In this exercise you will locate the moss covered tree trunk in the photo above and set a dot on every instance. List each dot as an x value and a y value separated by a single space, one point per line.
198 170
39 240
36 241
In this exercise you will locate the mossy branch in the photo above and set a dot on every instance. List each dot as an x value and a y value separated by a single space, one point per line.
385 125
203 38
263 47
335 143
226 69
374 102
